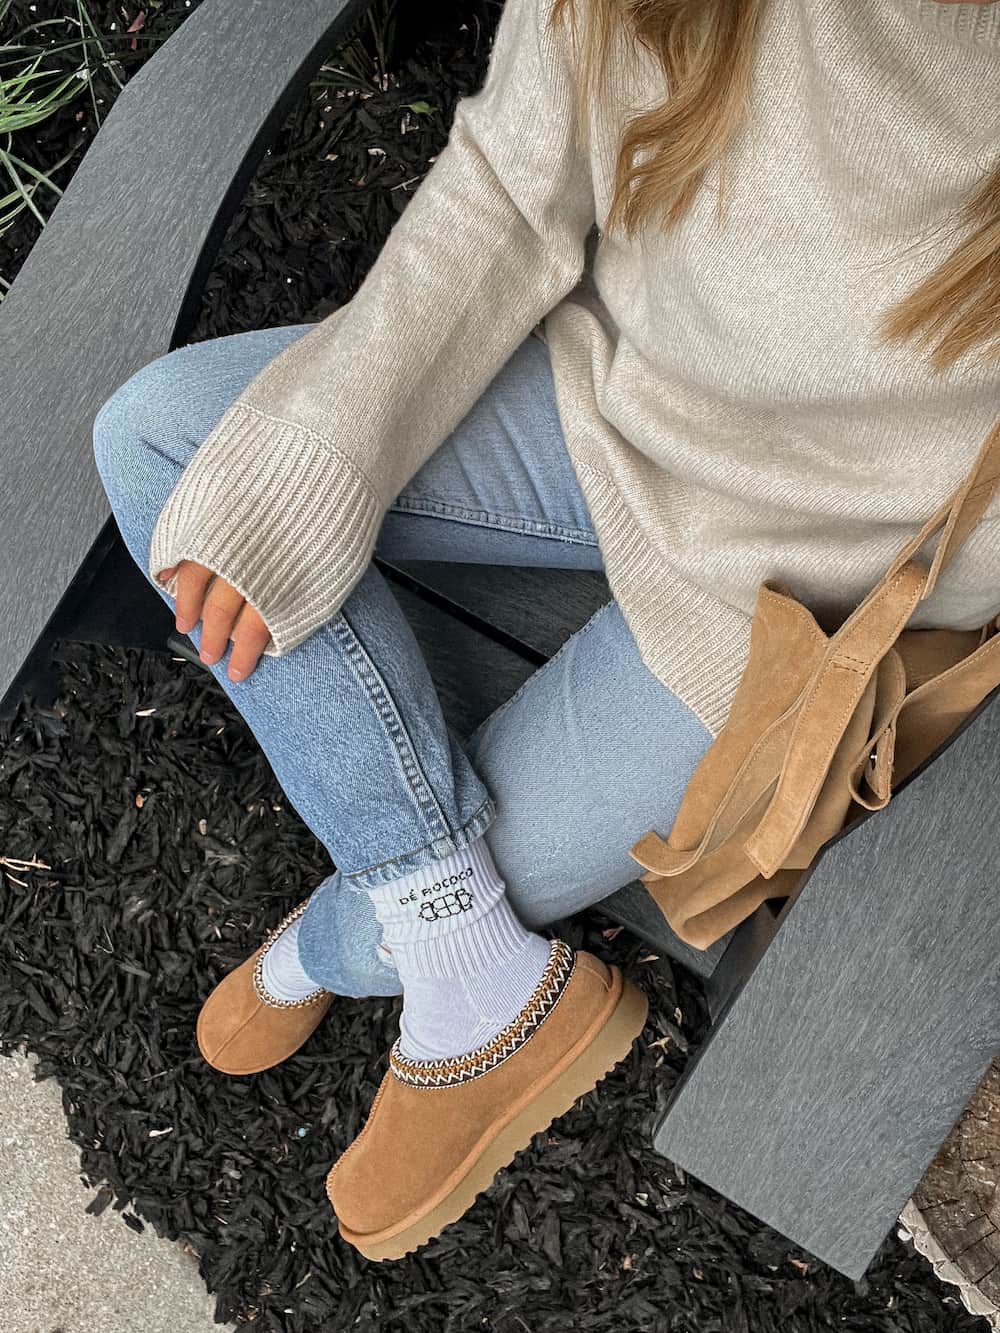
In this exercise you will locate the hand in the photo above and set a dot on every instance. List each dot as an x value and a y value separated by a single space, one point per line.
225 614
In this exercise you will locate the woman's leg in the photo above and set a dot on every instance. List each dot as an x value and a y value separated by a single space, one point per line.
591 750
349 720
590 753
352 727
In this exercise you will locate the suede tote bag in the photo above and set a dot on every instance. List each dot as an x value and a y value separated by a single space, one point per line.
820 725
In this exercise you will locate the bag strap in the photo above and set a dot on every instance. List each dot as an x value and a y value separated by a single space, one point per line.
854 652
968 504
851 656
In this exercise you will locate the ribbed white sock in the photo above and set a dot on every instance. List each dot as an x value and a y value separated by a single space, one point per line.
282 972
467 964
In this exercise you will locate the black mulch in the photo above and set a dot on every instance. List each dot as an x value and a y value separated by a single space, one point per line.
168 849
163 848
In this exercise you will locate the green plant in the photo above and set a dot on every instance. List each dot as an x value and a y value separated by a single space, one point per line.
34 85
26 99
362 64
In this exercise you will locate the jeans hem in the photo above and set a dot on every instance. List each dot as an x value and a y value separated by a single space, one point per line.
360 881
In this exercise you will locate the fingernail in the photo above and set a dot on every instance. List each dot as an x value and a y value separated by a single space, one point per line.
206 656
236 674
183 624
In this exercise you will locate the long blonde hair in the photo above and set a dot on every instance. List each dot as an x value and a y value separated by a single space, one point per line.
706 49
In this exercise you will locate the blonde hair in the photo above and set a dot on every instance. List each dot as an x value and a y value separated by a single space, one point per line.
706 50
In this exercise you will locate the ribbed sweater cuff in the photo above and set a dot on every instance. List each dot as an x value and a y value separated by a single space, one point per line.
252 505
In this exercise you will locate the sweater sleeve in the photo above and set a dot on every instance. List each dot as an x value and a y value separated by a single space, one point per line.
285 497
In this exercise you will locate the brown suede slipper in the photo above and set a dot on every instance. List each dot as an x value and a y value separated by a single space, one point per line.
243 1030
438 1132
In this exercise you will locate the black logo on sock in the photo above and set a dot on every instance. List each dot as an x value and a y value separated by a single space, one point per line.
449 904
436 887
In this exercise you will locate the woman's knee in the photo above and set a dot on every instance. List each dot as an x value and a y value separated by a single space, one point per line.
147 431
136 437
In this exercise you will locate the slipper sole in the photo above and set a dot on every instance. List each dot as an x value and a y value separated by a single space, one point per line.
610 1044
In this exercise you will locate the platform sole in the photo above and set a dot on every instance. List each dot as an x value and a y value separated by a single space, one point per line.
609 1046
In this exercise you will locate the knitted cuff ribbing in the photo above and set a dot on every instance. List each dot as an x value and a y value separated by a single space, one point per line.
251 505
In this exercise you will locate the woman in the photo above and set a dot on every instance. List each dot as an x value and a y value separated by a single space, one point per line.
575 349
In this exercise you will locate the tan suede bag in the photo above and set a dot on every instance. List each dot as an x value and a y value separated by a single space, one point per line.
819 725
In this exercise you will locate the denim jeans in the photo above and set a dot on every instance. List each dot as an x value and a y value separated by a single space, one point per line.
561 779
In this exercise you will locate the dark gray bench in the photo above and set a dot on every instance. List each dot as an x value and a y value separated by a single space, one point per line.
850 1030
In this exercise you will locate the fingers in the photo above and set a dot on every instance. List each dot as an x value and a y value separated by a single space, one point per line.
221 607
192 581
249 639
225 615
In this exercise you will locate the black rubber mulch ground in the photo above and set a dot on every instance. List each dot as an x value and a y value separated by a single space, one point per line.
169 848
166 848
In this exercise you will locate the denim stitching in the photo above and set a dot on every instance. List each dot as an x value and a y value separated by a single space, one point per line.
486 518
395 730
526 684
383 872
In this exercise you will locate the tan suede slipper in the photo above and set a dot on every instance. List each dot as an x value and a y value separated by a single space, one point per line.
242 1029
438 1132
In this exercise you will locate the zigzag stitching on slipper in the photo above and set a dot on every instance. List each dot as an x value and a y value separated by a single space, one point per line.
260 990
450 1073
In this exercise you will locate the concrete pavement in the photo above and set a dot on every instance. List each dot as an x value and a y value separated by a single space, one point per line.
62 1271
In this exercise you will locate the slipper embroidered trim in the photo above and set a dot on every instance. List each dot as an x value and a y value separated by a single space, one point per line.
449 1073
265 995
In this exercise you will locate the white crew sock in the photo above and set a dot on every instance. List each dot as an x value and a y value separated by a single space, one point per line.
467 964
282 972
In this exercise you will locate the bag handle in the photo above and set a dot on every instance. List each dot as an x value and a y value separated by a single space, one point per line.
854 652
851 656
968 504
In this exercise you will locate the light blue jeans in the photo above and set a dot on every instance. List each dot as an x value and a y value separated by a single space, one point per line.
561 779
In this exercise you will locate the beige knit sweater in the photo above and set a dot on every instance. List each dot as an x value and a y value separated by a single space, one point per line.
728 407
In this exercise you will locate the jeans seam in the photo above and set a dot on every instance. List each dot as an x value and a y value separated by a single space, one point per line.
486 518
392 723
525 684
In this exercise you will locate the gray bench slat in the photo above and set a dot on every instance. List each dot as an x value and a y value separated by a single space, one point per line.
472 674
633 907
147 209
840 1067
